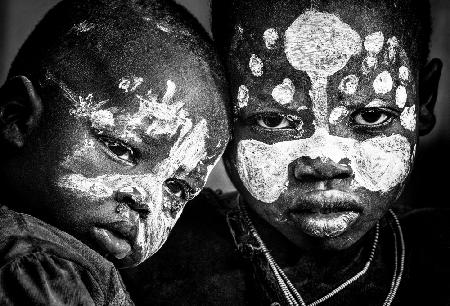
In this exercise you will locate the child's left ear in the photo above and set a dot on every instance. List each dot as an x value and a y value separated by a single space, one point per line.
428 92
20 110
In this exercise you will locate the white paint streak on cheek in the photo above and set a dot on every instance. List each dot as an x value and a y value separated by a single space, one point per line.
408 118
320 44
401 96
284 93
349 85
270 38
383 83
170 92
337 114
379 164
256 66
243 96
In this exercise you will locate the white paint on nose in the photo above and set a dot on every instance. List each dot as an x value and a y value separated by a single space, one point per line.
256 66
284 93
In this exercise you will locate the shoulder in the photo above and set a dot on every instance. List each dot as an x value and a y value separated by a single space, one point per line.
198 263
41 264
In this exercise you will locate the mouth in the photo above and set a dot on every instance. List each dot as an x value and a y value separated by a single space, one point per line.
326 213
115 239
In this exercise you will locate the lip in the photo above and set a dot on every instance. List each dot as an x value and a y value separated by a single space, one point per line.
115 239
326 213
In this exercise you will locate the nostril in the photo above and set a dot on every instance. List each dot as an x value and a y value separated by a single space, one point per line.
133 199
310 170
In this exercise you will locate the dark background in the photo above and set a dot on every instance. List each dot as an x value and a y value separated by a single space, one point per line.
431 179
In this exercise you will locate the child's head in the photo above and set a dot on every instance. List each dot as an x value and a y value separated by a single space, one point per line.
112 118
328 109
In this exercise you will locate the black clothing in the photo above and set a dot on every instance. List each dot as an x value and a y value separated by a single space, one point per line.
200 264
41 265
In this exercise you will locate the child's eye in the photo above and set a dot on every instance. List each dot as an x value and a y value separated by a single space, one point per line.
118 150
274 122
179 188
372 117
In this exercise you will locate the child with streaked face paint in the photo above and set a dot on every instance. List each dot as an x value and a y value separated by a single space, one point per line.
329 99
112 118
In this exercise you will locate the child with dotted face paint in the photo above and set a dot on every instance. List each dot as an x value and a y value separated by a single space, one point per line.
329 99
112 118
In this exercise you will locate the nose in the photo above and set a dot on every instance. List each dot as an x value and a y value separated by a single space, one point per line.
307 170
134 198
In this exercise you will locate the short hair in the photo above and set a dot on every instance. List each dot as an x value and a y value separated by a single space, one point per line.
413 15
118 23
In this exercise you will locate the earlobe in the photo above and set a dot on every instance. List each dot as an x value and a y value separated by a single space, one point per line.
429 85
20 110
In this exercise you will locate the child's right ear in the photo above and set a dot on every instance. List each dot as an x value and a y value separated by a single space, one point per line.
20 111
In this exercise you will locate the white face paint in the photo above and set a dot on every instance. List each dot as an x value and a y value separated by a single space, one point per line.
83 27
403 73
187 153
320 44
391 53
270 38
383 83
284 93
379 164
373 44
130 85
408 118
401 96
256 66
243 96
349 84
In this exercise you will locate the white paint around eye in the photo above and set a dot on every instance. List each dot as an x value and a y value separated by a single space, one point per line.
284 93
188 152
349 84
373 43
379 164
404 73
320 44
256 66
383 83
337 114
408 118
401 96
270 38
243 96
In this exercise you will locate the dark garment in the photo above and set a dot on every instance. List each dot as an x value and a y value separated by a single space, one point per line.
200 264
41 265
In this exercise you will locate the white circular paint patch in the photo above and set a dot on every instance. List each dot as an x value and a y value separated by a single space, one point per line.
243 96
270 38
284 93
349 84
374 42
383 83
403 73
256 65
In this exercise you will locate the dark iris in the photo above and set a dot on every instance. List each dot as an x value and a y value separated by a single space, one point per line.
272 121
371 116
178 188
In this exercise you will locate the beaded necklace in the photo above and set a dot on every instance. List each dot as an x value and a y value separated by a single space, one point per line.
293 297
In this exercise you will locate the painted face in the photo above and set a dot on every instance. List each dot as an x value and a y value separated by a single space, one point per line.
326 127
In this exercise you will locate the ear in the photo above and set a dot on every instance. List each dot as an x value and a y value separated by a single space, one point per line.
428 91
20 111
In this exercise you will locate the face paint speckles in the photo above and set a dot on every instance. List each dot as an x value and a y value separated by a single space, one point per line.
379 164
284 93
84 107
83 27
403 74
130 85
256 66
320 44
102 119
383 83
270 38
374 43
337 114
401 96
243 96
392 49
349 85
163 28
408 118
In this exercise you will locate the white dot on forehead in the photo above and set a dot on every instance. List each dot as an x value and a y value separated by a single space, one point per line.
349 84
383 83
243 96
284 93
256 65
401 96
374 42
403 73
270 38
